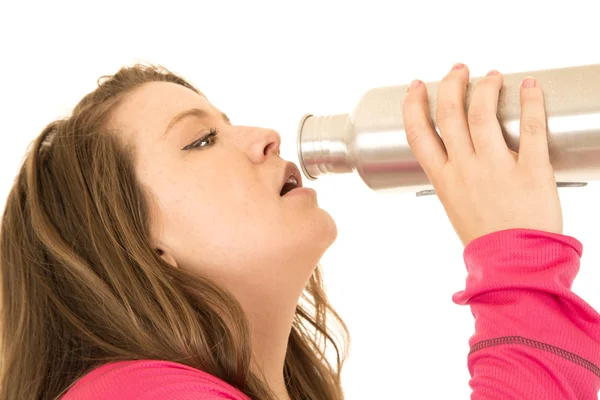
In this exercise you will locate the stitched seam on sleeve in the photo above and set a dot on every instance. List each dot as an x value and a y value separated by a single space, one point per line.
538 345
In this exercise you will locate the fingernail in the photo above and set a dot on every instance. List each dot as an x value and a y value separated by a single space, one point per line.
492 73
414 84
457 66
529 82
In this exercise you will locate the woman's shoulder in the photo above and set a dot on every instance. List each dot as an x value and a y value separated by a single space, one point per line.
150 380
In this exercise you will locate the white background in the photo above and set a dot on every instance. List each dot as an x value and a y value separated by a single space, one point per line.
397 261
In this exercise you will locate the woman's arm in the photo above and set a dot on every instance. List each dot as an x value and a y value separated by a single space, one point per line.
534 338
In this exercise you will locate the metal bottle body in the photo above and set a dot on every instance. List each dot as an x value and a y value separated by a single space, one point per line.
371 140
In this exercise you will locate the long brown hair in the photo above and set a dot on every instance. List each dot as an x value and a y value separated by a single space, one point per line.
82 285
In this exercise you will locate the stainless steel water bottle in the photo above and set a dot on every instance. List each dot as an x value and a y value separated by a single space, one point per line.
371 140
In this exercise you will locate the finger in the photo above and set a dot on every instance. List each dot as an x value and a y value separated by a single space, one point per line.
423 140
533 142
451 117
482 116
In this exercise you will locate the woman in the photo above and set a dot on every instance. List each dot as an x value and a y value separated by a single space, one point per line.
151 249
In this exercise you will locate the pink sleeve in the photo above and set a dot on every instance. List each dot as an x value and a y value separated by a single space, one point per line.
150 380
534 338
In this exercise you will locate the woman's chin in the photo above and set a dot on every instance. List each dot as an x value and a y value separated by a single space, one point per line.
307 237
324 233
331 229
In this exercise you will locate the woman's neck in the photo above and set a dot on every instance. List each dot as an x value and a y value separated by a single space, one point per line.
270 331
270 343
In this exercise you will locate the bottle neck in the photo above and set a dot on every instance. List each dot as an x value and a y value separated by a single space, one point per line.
323 145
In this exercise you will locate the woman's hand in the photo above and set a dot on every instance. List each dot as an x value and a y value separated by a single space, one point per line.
483 185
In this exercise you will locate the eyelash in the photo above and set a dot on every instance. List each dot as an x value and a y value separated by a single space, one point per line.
212 134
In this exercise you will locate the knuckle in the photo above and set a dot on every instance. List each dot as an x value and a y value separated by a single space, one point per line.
410 100
412 118
450 77
532 126
412 105
487 87
413 133
446 109
533 98
488 83
534 95
449 84
479 115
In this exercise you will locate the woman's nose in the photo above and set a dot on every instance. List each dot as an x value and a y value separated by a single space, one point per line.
262 144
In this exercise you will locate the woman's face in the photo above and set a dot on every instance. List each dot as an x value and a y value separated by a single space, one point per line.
217 206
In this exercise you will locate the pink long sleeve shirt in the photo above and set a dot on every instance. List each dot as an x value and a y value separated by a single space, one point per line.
534 338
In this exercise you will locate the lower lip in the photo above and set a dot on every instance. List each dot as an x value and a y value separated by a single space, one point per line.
303 191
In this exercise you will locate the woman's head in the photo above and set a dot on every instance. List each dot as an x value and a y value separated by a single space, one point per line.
129 236
215 187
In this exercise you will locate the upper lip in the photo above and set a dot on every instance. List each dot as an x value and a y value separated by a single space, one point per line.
291 170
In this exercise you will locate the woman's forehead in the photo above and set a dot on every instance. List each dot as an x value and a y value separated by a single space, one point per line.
153 107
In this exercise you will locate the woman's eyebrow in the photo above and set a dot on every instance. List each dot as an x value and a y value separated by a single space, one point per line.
195 112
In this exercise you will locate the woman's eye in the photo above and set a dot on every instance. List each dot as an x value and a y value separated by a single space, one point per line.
205 141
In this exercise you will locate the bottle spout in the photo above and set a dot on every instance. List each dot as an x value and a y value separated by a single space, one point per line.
323 145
